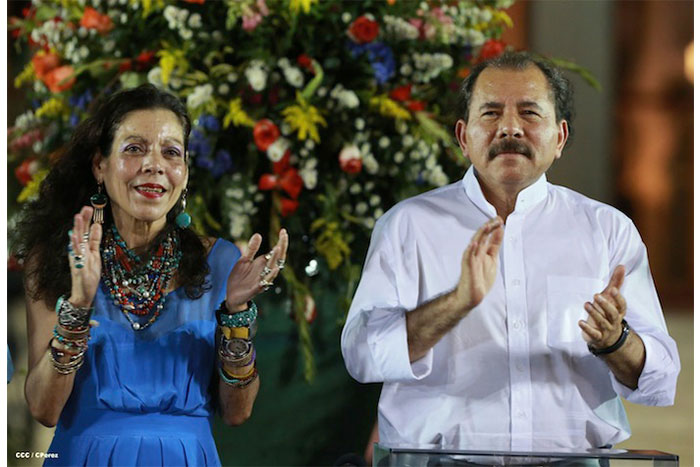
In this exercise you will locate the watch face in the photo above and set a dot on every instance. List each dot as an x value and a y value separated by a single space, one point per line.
238 347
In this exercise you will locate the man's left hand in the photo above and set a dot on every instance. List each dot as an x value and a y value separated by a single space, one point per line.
605 313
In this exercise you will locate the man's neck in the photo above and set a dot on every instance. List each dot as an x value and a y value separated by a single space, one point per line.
501 198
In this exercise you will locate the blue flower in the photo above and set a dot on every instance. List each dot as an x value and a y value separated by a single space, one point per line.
222 163
80 101
380 56
74 119
204 162
199 144
209 122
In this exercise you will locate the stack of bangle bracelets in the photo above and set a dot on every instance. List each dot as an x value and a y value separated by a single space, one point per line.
235 348
72 332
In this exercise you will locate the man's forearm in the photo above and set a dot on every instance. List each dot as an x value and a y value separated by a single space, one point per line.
426 325
627 362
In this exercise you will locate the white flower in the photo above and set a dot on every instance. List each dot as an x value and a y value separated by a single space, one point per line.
36 147
182 15
304 152
355 189
309 144
346 17
348 99
430 163
217 36
195 21
407 140
378 213
186 33
275 152
235 193
361 208
401 127
256 76
123 18
170 13
223 89
294 76
359 124
199 96
154 77
370 164
415 155
283 62
175 83
399 157
374 200
83 51
369 186
369 222
309 174
322 91
285 129
384 142
232 77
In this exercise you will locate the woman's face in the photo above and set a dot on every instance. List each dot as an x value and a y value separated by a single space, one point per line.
146 170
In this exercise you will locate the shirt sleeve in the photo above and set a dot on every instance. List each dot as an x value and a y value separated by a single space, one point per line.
657 382
374 340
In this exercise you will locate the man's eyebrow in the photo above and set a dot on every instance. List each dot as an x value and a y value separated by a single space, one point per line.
529 104
491 105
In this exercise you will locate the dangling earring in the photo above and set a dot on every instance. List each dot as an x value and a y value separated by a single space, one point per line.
183 220
98 201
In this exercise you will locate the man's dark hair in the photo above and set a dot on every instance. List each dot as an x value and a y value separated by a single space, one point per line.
562 92
41 234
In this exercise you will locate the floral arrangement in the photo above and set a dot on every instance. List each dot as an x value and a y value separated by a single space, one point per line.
315 115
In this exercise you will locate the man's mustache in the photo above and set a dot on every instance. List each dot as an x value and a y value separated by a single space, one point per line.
509 146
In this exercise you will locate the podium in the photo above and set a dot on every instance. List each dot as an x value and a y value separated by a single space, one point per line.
434 455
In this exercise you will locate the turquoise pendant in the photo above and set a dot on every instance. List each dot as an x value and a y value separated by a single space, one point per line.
183 220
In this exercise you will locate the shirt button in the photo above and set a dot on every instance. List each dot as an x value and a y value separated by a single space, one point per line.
516 282
520 366
520 414
517 324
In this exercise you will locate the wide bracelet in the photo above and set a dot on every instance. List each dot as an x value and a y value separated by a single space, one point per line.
71 316
75 360
238 319
620 341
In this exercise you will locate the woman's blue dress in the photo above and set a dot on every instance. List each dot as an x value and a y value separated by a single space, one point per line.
144 397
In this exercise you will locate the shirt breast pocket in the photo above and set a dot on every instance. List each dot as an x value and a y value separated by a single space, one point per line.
565 298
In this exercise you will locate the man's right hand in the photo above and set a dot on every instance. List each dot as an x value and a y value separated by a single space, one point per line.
479 264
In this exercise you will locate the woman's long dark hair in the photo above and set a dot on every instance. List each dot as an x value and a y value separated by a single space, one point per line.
41 234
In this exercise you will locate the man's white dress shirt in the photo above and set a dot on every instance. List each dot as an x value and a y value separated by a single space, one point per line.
515 374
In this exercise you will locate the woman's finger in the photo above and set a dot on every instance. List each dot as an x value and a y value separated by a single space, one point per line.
253 247
95 237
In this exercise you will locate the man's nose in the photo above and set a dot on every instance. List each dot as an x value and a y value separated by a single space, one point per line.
510 126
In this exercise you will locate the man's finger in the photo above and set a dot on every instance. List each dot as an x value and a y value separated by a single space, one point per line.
495 241
597 315
592 333
610 310
483 235
616 280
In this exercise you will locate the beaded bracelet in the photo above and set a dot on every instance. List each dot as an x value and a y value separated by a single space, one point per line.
75 360
238 383
78 344
239 319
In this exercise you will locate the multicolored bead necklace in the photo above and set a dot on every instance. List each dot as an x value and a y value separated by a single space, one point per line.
136 287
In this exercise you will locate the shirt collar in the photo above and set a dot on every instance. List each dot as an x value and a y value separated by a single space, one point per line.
527 198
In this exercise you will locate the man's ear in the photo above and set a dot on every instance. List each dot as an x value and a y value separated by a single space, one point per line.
562 136
461 135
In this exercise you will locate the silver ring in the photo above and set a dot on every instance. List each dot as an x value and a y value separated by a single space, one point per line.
265 271
280 264
265 284
268 256
86 236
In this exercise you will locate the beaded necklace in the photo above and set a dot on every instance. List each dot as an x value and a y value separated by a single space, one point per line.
138 287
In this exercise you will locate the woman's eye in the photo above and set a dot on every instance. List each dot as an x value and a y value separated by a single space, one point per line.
173 152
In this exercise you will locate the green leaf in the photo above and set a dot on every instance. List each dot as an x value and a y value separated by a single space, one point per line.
578 69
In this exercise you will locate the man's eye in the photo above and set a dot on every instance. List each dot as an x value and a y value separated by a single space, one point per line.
489 113
132 149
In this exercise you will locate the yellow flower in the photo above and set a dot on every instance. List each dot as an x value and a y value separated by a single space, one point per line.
296 5
27 75
147 5
169 60
303 118
330 242
389 108
500 16
53 108
32 188
236 115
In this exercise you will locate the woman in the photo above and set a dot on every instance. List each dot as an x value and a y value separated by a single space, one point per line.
125 354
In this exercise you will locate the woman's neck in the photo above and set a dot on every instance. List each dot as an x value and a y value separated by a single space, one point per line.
137 234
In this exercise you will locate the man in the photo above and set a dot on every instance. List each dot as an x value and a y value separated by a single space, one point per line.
527 341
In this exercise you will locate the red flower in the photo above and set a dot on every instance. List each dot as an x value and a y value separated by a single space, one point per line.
363 30
284 178
415 106
402 93
60 79
26 170
491 48
305 61
288 206
350 159
265 133
44 62
92 19
125 66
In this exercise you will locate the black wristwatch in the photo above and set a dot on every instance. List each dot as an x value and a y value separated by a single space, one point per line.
615 346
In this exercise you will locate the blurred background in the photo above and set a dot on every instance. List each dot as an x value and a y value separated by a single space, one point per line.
633 149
